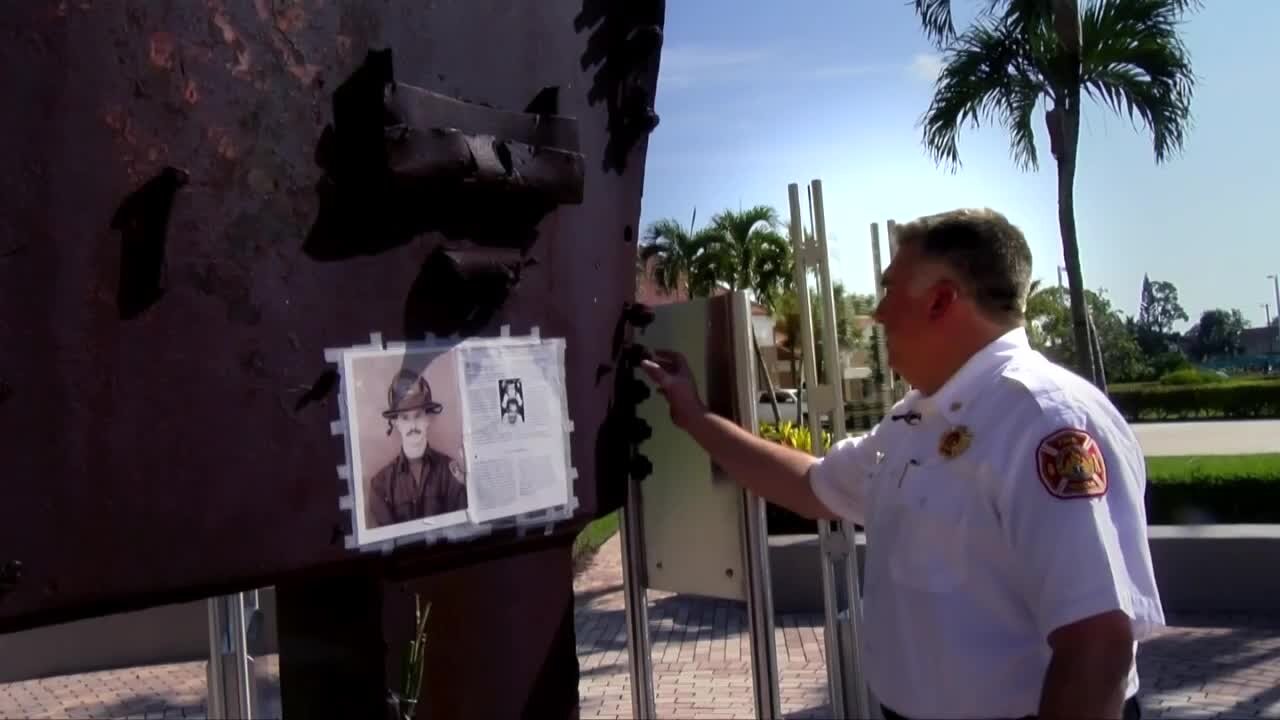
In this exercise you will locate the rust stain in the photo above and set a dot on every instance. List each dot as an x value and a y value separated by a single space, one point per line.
305 73
121 125
291 19
223 21
163 50
226 145
287 22
114 118
231 37
243 63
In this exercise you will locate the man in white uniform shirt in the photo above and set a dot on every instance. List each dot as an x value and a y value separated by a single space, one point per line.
1008 572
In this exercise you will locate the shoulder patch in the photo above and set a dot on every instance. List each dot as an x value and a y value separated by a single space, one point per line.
455 469
1070 465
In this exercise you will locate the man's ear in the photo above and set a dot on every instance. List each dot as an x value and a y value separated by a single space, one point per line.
942 298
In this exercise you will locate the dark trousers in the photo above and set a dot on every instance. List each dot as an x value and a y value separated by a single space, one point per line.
1132 711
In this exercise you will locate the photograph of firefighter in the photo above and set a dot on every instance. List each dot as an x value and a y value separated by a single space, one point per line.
407 439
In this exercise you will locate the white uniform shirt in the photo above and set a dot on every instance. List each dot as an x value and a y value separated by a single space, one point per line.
972 560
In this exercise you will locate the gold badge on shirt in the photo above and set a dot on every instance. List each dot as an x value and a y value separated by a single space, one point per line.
955 441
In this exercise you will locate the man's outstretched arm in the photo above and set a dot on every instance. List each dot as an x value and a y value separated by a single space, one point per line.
777 473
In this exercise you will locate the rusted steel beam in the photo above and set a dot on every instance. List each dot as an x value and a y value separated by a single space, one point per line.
164 398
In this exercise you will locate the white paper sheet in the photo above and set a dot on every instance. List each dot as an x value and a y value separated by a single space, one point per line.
514 426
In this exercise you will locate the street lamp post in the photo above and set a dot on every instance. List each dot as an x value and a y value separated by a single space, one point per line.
1275 285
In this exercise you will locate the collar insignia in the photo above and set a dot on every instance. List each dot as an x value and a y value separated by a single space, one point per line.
955 441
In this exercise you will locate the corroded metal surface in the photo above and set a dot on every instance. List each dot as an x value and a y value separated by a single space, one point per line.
164 399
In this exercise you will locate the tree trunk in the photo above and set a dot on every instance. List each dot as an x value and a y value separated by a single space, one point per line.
1082 346
1066 113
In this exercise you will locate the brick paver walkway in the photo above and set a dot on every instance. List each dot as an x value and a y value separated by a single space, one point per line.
1204 667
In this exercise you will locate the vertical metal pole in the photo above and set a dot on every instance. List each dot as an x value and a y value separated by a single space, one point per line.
882 352
844 550
831 348
217 641
764 656
835 681
891 228
230 676
636 605
1275 285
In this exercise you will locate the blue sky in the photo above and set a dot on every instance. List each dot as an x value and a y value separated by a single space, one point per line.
755 95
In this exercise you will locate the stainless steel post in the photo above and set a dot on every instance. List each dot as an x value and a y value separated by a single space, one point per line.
636 600
844 550
764 656
232 685
835 681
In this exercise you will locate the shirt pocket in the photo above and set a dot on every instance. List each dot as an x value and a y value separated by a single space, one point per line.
930 529
406 510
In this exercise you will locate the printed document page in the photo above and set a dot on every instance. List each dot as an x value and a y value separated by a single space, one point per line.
514 426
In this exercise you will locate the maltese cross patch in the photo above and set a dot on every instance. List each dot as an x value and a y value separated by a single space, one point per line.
1071 465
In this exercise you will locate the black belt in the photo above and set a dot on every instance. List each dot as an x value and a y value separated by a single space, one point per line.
1132 711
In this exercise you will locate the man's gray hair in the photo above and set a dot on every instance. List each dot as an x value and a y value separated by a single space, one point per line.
987 252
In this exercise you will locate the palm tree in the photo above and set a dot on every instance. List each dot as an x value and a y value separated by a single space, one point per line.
739 250
1124 53
747 252
674 253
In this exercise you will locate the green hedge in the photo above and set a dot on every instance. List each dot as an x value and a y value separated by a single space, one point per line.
1215 489
1191 376
1229 400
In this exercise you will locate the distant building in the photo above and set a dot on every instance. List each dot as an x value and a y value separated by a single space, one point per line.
1259 341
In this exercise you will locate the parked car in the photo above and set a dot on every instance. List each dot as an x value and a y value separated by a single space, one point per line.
788 406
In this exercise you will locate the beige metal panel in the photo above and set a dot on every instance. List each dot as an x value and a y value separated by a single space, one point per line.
691 516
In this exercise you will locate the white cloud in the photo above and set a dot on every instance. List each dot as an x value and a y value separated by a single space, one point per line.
840 71
926 66
686 66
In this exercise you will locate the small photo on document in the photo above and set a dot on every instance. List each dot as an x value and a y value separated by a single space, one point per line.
511 400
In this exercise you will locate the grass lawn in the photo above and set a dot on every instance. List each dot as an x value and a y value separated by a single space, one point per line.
1211 468
593 536
1214 489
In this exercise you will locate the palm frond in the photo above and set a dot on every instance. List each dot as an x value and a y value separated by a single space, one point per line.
666 229
774 266
739 224
1020 100
669 251
1134 62
935 18
1022 17
989 74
